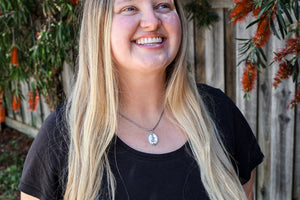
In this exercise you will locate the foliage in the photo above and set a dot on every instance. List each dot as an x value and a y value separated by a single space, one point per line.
271 17
36 38
14 147
10 178
201 11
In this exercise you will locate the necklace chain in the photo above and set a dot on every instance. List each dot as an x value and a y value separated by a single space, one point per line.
139 126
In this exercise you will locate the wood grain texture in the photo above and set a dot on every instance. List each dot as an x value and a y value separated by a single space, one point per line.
282 138
7 96
36 117
264 129
200 55
23 128
247 106
24 104
67 77
191 47
17 114
221 4
296 177
229 56
214 53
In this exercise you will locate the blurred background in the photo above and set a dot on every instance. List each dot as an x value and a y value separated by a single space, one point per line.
248 49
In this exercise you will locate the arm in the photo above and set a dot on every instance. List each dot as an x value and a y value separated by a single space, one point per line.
248 187
25 196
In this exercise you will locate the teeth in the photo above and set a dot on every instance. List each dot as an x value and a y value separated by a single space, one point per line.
149 40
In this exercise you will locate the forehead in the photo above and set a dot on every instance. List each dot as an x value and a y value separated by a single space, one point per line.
116 2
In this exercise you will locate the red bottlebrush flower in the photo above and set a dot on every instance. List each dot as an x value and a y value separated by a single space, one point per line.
2 113
284 72
293 47
73 2
296 100
16 102
241 10
37 36
33 100
256 11
14 57
249 77
263 32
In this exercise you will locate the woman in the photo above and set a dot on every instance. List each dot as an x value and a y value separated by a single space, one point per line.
137 126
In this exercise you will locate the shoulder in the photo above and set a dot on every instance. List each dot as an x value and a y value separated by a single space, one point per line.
217 102
43 173
234 130
209 93
53 134
228 119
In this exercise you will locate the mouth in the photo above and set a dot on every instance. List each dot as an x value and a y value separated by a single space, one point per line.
150 41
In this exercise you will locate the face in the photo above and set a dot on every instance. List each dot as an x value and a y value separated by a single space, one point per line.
145 34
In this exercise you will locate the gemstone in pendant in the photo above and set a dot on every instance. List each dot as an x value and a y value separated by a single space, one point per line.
152 138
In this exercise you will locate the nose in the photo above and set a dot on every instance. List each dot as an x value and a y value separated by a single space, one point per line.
150 20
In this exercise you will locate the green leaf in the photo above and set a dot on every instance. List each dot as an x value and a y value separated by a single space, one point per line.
287 13
263 65
280 24
263 10
296 10
273 28
242 39
241 61
262 53
295 72
258 57
281 20
244 50
252 23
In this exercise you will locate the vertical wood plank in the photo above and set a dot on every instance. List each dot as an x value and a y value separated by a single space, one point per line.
36 116
229 56
247 107
264 128
67 78
296 179
26 115
17 114
282 138
214 53
191 47
7 96
45 109
200 55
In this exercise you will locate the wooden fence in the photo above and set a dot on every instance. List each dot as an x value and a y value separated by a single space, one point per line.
213 56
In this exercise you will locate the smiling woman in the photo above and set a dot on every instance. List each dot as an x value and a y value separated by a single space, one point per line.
136 125
144 36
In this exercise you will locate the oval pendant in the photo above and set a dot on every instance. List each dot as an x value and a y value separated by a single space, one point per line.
152 138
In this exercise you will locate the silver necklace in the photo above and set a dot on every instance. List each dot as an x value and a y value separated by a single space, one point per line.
152 137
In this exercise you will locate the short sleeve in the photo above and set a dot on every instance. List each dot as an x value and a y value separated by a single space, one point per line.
43 167
234 131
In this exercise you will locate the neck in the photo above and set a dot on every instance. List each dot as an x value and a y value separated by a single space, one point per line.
141 95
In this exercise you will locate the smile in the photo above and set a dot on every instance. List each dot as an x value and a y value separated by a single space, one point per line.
150 41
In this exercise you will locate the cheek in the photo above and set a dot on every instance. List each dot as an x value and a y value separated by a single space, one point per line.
173 25
123 27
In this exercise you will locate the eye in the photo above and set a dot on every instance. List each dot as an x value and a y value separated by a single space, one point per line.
164 7
128 10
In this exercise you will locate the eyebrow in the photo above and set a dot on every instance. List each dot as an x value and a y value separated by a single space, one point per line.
122 1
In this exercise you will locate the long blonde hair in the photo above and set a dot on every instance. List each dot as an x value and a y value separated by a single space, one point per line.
93 106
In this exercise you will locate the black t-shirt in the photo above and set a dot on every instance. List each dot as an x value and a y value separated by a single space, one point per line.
142 176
